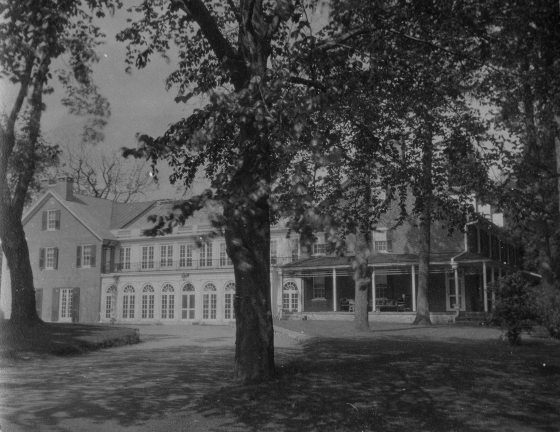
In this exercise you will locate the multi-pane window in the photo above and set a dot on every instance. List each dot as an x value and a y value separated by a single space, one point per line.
51 258
186 255
148 300
273 252
87 255
110 301
381 241
294 243
167 302
53 220
319 249
290 297
188 305
124 258
229 312
319 287
209 302
224 258
147 257
206 255
66 304
166 256
128 302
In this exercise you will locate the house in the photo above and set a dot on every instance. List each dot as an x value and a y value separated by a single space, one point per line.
92 263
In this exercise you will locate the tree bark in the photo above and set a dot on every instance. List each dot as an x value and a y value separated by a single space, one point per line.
426 193
361 281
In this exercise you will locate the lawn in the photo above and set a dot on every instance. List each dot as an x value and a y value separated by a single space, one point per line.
402 378
60 339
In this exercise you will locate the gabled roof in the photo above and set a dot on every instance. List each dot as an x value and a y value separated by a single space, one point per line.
98 215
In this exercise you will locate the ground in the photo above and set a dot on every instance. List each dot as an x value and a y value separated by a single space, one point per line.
394 378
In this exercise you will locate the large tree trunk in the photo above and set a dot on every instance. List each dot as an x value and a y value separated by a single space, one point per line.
422 305
361 281
16 251
248 241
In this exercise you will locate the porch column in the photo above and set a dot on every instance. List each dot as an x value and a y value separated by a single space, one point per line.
373 307
335 305
280 295
301 295
413 287
456 279
493 280
485 286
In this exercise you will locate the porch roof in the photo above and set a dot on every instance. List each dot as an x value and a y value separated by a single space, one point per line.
383 260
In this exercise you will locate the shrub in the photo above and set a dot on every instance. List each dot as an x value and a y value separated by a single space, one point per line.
515 309
546 300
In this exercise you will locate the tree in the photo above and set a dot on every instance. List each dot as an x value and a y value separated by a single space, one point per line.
105 176
249 131
524 84
32 36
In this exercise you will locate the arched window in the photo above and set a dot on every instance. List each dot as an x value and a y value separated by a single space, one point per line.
168 302
209 302
188 302
129 297
229 295
110 300
290 297
148 301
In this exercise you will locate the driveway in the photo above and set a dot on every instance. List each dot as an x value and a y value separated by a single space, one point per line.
144 387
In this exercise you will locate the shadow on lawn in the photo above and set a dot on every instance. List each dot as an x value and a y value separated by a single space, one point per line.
396 384
402 384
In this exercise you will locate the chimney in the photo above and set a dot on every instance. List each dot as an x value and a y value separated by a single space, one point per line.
63 187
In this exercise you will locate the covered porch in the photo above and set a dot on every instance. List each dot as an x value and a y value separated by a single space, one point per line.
319 285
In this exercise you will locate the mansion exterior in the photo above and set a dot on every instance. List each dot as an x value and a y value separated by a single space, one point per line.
91 263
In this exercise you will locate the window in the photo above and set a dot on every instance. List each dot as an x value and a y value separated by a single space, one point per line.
148 300
147 257
48 258
319 249
273 252
188 305
186 255
65 305
381 242
53 220
110 301
128 302
224 258
166 256
290 297
319 287
167 302
206 255
124 258
209 301
229 310
85 256
294 243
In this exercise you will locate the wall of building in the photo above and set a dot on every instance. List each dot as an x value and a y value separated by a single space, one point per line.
70 235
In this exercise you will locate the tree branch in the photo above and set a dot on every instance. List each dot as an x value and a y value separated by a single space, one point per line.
308 82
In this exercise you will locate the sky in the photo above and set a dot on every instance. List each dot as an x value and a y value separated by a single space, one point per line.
139 102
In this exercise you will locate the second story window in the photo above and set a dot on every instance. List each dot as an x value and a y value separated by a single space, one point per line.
186 255
147 257
85 256
48 258
381 241
319 249
294 243
224 258
166 256
124 258
206 255
273 252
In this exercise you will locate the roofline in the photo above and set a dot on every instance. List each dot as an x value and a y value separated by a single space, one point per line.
39 203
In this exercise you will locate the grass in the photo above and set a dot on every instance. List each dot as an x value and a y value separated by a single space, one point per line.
60 339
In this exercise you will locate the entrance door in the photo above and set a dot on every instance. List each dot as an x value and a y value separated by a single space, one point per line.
452 300
65 307
188 302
